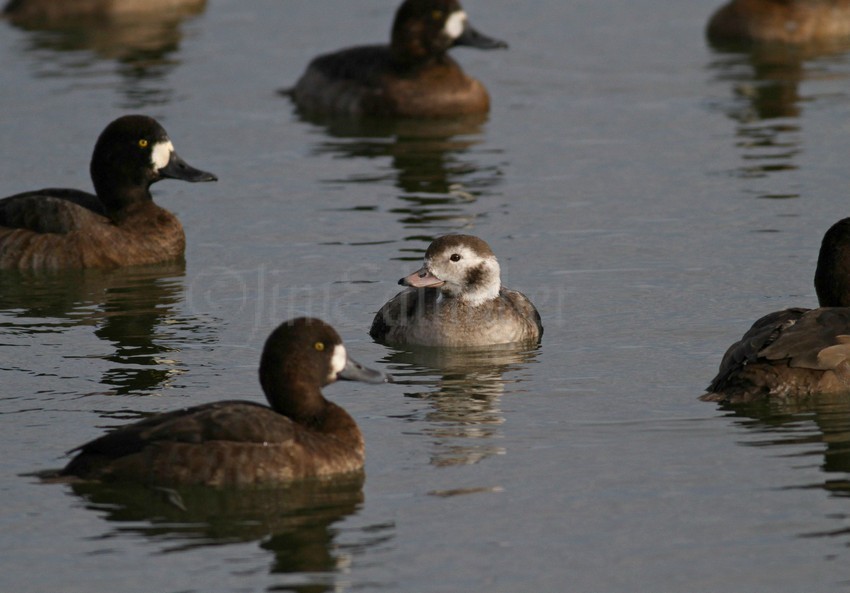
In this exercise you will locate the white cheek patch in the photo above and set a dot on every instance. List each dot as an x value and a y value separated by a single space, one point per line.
338 361
161 154
455 24
468 255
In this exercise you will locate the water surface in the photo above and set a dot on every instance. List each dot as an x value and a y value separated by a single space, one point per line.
651 194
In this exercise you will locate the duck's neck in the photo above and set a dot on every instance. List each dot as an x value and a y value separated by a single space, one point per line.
832 277
476 296
411 52
308 408
293 398
304 404
405 61
121 203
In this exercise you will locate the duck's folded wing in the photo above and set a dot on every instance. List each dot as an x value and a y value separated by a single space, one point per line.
749 348
363 64
347 81
400 310
244 422
819 339
50 210
524 307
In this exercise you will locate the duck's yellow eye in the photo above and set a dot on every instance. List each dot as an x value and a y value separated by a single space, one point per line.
143 143
319 346
437 15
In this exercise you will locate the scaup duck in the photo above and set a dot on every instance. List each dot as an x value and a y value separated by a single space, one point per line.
411 77
781 21
235 443
457 299
120 226
796 352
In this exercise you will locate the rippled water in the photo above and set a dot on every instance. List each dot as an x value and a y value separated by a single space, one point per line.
652 195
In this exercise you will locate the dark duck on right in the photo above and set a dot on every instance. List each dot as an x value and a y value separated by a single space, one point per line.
796 352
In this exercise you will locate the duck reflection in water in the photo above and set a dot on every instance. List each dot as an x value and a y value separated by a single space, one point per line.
132 309
140 36
293 521
464 388
810 428
438 166
766 49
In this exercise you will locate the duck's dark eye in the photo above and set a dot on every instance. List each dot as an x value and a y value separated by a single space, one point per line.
437 15
455 257
319 346
143 143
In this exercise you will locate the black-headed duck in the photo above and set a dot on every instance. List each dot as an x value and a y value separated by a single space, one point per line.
796 352
413 76
457 299
781 21
237 443
120 226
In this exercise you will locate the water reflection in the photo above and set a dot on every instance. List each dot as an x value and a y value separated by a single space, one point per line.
817 427
766 80
464 416
132 309
141 45
293 522
431 162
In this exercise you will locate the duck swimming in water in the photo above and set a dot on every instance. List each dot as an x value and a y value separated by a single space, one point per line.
796 352
54 229
237 443
457 299
413 76
792 22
